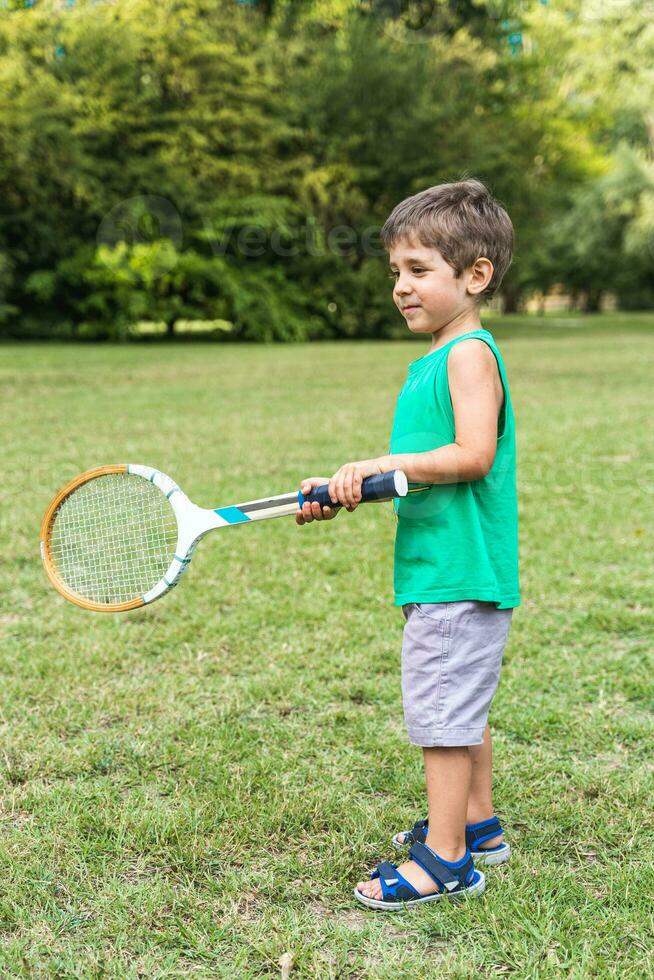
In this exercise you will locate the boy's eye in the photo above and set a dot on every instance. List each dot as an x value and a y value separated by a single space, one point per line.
416 268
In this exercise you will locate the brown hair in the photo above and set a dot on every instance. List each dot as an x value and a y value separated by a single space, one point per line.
463 221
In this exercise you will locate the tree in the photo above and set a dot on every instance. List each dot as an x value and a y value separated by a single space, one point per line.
178 103
599 56
258 148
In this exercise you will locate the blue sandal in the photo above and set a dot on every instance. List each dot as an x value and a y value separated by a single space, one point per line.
476 834
455 879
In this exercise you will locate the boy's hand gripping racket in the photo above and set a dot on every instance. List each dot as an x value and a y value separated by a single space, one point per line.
118 537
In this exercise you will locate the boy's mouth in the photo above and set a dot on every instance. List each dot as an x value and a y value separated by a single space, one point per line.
407 310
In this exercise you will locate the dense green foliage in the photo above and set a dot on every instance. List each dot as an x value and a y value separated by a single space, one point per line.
233 162
193 790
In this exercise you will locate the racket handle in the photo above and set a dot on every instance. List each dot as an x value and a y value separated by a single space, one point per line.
383 486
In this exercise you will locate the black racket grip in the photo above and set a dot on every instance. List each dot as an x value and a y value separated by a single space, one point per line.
383 486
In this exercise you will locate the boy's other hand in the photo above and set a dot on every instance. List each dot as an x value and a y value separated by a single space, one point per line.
313 511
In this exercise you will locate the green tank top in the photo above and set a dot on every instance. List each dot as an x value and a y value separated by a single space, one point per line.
456 540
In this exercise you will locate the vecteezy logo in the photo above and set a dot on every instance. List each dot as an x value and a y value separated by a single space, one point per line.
146 219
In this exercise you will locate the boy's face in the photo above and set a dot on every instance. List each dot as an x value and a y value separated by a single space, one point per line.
426 291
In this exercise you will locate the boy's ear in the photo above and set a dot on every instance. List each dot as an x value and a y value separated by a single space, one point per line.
479 276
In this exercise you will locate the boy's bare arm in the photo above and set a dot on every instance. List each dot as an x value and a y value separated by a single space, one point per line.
477 396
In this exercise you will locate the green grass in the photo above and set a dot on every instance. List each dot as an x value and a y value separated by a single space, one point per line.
194 789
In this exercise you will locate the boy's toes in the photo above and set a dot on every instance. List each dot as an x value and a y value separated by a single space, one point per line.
371 889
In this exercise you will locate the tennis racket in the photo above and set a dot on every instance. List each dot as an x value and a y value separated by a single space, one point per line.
119 537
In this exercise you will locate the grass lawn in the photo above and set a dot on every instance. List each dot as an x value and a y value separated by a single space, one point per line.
195 788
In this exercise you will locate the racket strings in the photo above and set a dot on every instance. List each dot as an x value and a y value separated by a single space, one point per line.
113 538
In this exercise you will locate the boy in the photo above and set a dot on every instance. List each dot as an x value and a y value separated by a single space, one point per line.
456 548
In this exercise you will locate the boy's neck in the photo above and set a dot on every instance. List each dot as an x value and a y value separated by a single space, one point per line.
466 323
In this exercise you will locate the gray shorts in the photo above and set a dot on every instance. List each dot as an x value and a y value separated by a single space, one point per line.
451 660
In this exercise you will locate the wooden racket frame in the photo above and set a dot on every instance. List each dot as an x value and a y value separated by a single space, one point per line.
46 554
193 523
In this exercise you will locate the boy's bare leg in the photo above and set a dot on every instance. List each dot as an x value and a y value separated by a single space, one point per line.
447 771
480 799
